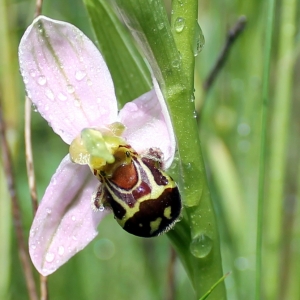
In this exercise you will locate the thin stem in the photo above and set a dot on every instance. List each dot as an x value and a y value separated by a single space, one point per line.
171 275
265 100
232 35
16 212
38 8
30 164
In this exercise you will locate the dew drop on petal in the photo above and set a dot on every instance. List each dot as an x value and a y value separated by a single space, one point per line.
32 73
70 89
62 97
77 103
42 80
49 94
33 246
48 210
49 257
79 75
61 250
132 107
73 218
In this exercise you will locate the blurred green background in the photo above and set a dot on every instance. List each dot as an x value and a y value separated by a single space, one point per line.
120 266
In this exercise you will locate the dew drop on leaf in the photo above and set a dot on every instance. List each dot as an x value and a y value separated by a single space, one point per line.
199 40
179 24
201 246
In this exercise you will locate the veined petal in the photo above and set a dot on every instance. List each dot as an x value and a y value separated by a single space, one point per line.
148 124
65 222
66 77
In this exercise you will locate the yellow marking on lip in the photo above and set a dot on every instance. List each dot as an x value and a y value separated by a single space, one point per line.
167 212
154 225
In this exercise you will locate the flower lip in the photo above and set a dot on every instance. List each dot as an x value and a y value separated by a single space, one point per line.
68 81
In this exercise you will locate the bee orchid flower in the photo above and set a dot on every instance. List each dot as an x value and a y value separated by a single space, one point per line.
70 85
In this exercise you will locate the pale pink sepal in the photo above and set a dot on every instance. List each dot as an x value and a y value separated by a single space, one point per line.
65 222
148 124
66 77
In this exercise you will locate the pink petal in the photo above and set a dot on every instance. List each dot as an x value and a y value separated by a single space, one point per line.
65 222
66 77
148 124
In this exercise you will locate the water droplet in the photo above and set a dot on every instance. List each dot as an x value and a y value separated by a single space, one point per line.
132 107
49 94
161 26
48 210
62 97
49 257
42 80
195 115
199 40
77 102
101 207
188 166
34 107
61 250
179 24
192 98
176 63
73 218
32 73
79 75
33 246
70 89
201 246
74 238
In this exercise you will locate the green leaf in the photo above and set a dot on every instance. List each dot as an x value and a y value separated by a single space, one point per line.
195 238
129 72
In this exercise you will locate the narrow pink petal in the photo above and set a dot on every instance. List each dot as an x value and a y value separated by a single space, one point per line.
65 222
66 77
148 124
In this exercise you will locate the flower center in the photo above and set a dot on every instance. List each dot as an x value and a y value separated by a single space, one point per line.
98 147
